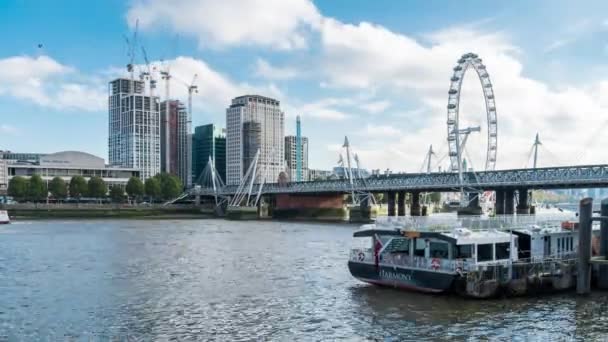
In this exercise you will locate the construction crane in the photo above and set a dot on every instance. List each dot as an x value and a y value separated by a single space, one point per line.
131 44
148 74
192 89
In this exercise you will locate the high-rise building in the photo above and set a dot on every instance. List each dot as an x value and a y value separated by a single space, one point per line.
208 142
254 122
291 158
175 153
134 127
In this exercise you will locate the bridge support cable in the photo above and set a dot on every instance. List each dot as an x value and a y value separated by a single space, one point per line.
244 191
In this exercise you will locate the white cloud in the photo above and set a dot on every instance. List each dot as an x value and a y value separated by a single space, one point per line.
265 70
280 24
356 57
8 129
48 83
379 131
376 106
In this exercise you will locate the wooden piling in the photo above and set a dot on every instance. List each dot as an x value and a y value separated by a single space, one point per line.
602 281
583 278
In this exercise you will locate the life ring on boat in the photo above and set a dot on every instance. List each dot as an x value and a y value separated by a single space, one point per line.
361 256
435 263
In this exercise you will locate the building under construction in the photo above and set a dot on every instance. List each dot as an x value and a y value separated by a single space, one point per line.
134 127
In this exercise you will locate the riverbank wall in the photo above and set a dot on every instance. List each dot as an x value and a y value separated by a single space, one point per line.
96 211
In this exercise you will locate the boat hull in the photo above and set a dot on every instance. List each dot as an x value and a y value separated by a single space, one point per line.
402 278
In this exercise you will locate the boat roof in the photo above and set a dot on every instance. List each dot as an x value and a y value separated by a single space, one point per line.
459 236
403 233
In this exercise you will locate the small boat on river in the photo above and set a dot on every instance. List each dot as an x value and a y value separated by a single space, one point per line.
475 262
4 219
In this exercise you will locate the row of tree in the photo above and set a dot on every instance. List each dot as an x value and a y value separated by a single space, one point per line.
162 186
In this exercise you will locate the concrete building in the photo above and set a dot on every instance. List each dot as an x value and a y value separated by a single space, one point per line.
66 165
291 158
208 142
342 172
176 148
134 127
254 122
314 175
21 157
3 176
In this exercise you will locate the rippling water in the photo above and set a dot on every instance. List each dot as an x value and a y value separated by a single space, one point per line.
239 281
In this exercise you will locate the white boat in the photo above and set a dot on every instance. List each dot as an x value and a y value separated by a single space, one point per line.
4 219
476 259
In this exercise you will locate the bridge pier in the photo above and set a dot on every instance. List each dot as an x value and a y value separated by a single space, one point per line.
509 202
523 207
499 206
415 209
391 202
401 203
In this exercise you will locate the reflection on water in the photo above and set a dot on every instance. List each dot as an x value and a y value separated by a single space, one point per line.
220 280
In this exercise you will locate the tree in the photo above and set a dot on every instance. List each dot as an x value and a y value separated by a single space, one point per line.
18 188
78 187
58 188
152 187
37 190
435 197
170 185
97 187
117 194
135 188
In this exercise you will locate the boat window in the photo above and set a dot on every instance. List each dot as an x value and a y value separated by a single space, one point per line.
502 250
438 250
420 246
464 251
398 246
484 252
362 242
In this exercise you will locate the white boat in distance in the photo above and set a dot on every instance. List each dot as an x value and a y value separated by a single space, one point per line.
4 219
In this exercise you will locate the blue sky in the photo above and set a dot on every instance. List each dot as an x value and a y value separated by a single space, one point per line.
377 71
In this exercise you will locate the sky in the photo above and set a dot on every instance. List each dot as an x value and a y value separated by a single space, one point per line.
375 71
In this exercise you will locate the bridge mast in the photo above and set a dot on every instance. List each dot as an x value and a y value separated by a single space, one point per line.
536 144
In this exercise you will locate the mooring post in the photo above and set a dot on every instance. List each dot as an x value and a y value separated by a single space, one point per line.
602 281
583 278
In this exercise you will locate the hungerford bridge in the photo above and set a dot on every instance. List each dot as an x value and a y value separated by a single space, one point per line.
511 187
506 184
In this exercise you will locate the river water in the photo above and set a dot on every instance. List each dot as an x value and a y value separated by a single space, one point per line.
205 280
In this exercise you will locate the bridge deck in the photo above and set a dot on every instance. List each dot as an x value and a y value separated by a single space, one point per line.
584 176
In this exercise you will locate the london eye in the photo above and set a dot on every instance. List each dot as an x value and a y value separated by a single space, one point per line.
457 135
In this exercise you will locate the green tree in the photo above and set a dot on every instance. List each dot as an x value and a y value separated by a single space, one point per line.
435 197
18 188
37 190
78 187
135 188
97 187
58 188
170 185
152 188
117 194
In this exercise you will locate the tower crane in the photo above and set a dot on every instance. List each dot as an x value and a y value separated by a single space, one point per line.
131 44
192 88
148 74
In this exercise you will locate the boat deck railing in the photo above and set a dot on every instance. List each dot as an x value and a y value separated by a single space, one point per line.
441 223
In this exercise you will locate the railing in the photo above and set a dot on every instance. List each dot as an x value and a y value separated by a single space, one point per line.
446 223
431 264
568 176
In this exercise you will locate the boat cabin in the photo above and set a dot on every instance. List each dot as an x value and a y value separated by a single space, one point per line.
449 251
549 241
